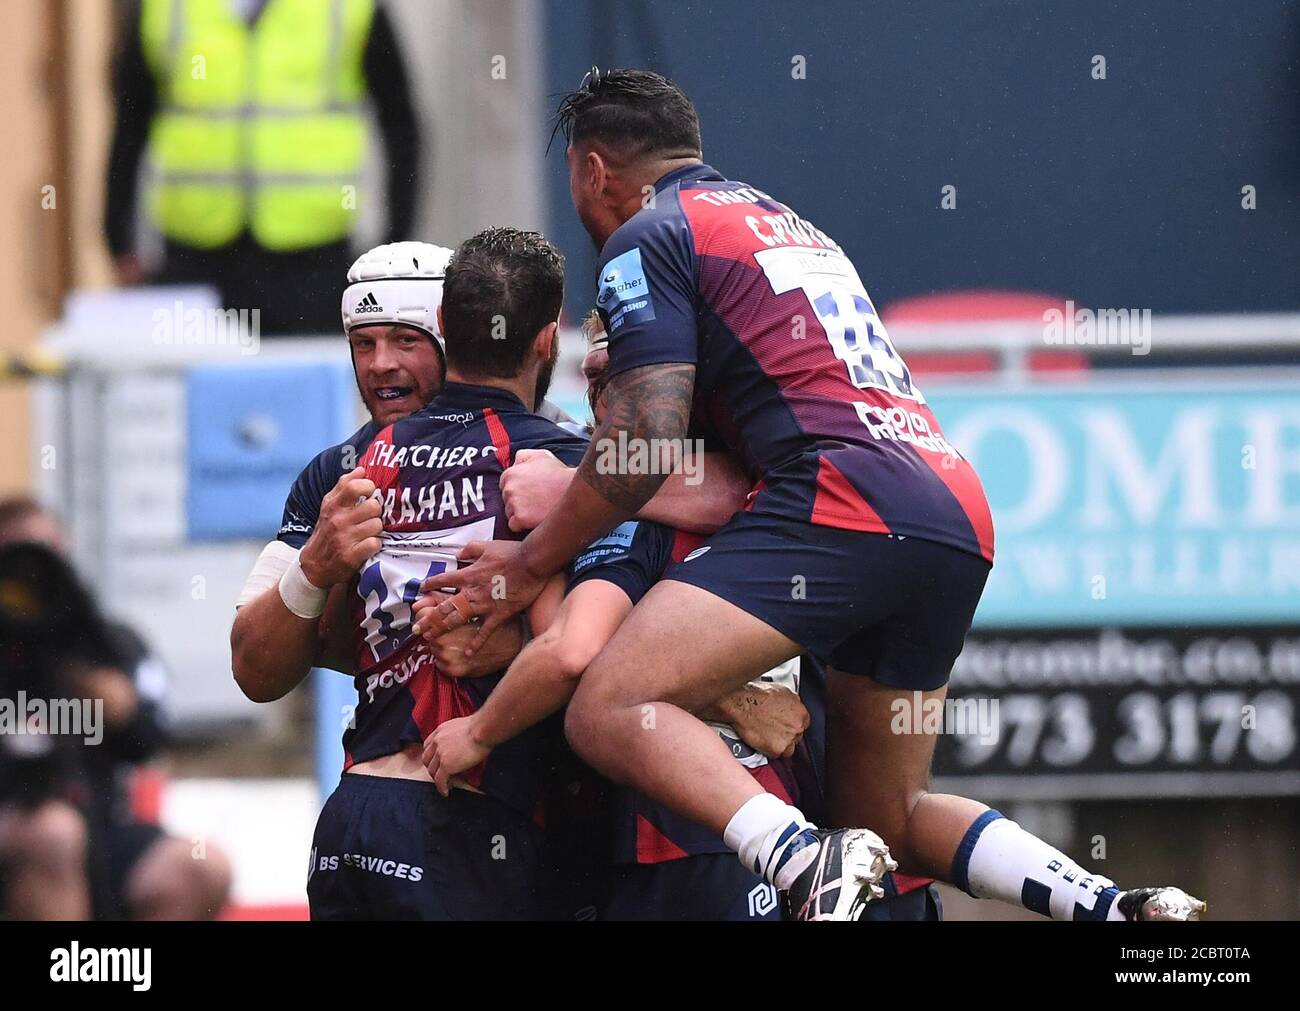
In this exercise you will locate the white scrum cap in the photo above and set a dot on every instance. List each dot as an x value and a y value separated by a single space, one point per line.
400 282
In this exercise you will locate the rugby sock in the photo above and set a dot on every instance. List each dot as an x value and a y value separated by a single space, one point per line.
772 839
997 859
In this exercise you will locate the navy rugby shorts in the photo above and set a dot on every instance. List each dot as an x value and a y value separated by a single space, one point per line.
894 609
395 849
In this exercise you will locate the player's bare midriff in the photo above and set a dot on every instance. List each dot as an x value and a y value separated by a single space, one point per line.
404 764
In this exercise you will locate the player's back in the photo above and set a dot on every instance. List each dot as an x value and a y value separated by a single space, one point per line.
794 369
437 475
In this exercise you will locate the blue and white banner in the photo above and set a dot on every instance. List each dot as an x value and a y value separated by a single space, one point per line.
1136 500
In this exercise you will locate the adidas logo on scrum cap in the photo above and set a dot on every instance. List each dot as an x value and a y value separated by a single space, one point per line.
368 304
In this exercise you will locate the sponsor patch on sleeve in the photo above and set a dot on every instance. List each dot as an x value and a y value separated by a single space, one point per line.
624 294
613 546
295 524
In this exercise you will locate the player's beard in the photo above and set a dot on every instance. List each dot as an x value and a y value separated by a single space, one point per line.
546 373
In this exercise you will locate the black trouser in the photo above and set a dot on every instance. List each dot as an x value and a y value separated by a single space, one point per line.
296 293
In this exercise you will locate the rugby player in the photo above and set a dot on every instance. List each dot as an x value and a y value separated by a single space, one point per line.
327 529
866 540
435 474
293 614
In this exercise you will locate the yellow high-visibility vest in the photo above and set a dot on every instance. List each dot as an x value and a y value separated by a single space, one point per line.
259 127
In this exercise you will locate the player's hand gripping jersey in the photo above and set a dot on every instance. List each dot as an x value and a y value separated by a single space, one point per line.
317 479
437 475
794 370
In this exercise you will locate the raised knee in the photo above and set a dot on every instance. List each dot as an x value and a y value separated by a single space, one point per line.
578 723
55 837
174 880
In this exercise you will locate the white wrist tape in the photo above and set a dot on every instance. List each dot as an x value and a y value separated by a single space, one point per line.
267 570
299 595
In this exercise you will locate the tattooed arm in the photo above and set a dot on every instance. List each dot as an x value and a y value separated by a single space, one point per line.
650 406
698 499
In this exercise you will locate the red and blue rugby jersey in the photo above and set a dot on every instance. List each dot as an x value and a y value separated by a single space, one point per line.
633 557
794 370
437 473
